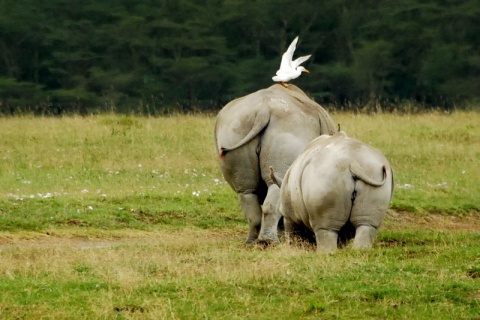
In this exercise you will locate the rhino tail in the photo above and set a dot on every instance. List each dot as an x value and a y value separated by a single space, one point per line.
393 183
261 121
358 174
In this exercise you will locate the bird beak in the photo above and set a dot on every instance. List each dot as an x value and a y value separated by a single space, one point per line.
306 71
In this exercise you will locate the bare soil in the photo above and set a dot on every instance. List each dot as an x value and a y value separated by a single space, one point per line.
393 221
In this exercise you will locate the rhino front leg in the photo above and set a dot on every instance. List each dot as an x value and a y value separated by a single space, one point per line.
253 213
364 237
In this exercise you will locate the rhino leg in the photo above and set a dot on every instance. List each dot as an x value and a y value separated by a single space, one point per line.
289 227
368 211
253 213
270 215
326 240
364 237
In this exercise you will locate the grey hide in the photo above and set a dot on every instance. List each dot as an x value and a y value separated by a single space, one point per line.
269 127
335 182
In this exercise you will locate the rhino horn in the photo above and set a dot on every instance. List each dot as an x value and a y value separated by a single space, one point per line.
275 178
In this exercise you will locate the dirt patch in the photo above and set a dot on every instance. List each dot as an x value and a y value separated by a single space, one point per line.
106 239
48 242
89 240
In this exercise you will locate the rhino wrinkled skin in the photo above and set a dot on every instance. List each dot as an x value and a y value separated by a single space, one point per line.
335 181
269 127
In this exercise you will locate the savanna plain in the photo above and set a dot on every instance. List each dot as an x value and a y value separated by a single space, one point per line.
122 217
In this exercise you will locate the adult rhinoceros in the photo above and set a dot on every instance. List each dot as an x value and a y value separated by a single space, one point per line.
336 181
269 127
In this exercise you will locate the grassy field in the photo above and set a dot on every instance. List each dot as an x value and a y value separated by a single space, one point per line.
116 217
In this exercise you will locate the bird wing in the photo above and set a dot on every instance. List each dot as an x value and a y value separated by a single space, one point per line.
297 62
288 55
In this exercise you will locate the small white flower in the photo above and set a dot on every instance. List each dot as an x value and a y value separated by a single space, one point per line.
90 208
196 193
139 165
84 191
27 182
48 195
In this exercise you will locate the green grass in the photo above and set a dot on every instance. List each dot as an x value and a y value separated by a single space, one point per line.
71 164
198 274
115 217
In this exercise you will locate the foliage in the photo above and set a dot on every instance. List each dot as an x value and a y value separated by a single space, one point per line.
152 56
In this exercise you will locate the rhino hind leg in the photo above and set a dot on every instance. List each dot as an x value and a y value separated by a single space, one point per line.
326 240
288 226
253 213
364 237
293 232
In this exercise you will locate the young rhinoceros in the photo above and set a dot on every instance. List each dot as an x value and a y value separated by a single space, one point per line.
335 181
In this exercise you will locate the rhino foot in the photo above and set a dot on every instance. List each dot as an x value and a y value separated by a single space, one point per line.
269 239
267 243
251 240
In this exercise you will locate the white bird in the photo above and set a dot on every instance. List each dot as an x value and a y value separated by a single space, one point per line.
290 69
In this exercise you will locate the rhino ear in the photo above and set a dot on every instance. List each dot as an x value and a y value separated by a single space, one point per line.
275 178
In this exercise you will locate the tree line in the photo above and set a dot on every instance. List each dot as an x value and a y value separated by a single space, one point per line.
157 56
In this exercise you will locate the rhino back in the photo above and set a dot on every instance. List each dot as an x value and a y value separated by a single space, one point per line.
319 185
282 109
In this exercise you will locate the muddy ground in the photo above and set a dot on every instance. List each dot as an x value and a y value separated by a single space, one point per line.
86 240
